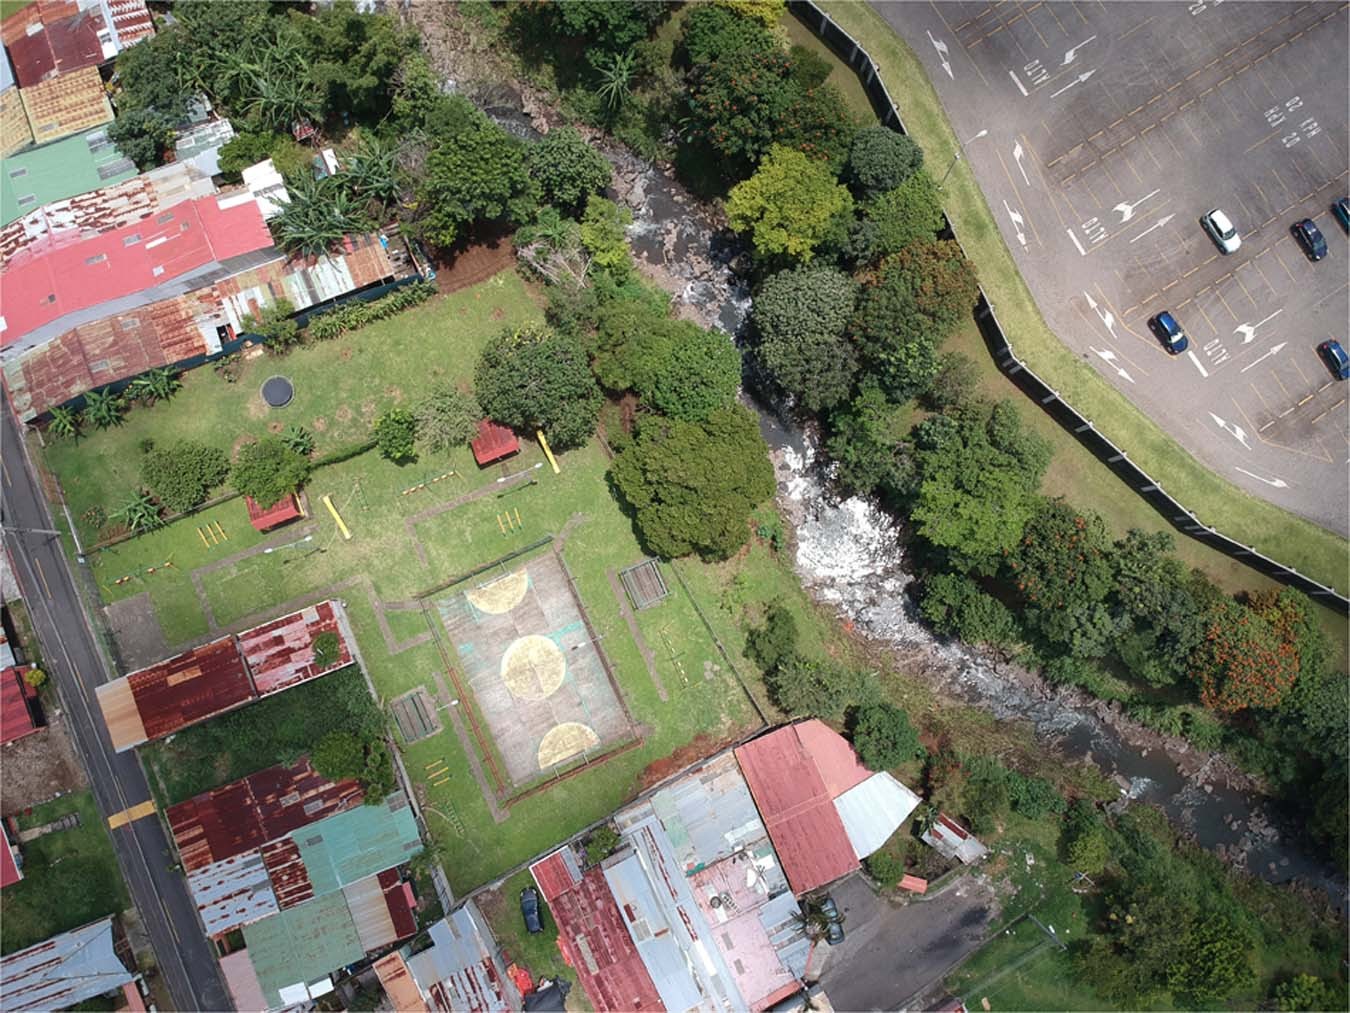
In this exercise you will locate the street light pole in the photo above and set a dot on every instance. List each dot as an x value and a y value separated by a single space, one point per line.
957 157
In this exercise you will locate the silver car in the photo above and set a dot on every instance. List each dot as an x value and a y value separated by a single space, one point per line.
1221 230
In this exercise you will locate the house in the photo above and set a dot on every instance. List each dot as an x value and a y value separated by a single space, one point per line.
953 840
199 145
493 443
11 871
283 511
65 970
65 105
460 971
53 38
18 704
824 810
15 133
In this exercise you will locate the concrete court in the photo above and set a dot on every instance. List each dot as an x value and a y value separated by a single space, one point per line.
1112 127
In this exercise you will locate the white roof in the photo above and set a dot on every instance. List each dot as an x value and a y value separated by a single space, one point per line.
873 810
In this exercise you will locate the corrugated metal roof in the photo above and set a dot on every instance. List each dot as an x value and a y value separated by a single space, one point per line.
66 105
556 874
46 40
63 970
242 982
460 970
232 892
873 810
302 944
832 755
200 145
246 814
281 653
9 866
493 442
58 170
190 687
370 914
797 809
357 843
398 984
16 716
15 135
953 840
285 509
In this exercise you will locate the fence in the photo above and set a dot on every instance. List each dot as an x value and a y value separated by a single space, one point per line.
1078 425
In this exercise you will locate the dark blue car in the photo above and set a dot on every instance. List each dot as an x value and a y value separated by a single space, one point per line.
1341 209
1309 237
1336 358
1169 332
529 910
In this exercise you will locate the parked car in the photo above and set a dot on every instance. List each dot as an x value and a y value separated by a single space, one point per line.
1341 209
529 910
1309 237
1169 332
1335 358
1222 230
834 919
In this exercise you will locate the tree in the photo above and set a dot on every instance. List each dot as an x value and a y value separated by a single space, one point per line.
396 435
567 169
882 736
602 234
908 214
606 26
142 135
880 159
327 649
1243 661
1213 961
766 12
353 58
183 475
866 444
447 417
716 31
317 216
1307 992
65 422
955 605
787 205
140 513
739 101
1086 848
474 174
104 408
690 373
246 148
978 473
809 687
372 172
692 485
985 799
535 378
267 471
800 316
774 642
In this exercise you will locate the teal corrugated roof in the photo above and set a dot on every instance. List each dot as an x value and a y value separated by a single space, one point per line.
62 169
302 944
360 842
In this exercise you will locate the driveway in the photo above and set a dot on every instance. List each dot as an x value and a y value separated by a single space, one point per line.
1100 133
893 951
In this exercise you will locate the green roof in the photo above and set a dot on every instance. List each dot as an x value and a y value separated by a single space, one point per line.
62 169
360 842
302 944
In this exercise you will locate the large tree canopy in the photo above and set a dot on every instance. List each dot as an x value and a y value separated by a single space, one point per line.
537 379
268 470
880 159
567 169
788 205
693 486
801 316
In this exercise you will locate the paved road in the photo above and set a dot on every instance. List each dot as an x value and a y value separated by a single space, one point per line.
185 958
1100 133
890 953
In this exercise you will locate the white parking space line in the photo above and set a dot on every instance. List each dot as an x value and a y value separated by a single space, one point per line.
1191 355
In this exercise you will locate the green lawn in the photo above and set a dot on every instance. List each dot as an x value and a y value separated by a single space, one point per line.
71 876
1075 473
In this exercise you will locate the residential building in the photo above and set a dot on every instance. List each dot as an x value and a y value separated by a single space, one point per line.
460 971
69 104
48 39
65 970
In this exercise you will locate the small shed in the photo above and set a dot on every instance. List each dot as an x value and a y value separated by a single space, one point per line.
493 442
281 512
16 705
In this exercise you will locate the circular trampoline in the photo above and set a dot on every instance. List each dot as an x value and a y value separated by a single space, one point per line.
277 391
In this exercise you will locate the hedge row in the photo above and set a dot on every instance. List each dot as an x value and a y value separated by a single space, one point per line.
351 315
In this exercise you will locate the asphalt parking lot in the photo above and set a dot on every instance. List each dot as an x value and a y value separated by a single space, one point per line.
1100 133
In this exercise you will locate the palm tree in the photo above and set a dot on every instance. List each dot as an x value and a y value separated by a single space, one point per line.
141 513
372 170
614 80
320 213
926 818
159 384
65 422
103 408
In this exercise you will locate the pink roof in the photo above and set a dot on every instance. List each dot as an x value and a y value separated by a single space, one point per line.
281 653
64 274
553 875
9 869
796 806
833 756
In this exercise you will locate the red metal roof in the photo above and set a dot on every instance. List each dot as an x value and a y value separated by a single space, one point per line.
16 716
9 868
594 941
190 687
47 39
493 442
55 277
399 900
554 875
283 510
797 808
833 756
245 814
281 653
286 869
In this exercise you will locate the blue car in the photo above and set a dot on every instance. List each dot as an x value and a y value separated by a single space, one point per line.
1169 332
1341 209
1336 358
529 910
1309 237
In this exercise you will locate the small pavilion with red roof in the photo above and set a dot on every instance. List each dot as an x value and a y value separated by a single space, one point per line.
281 512
493 443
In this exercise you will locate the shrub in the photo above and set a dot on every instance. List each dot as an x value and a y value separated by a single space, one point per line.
357 313
601 844
274 324
327 650
807 687
882 736
268 470
769 645
886 867
183 475
880 159
396 435
1086 847
299 439
447 417
35 677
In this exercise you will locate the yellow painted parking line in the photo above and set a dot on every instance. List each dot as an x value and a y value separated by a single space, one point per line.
135 812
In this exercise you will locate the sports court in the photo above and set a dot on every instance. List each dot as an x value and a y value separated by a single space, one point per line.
525 652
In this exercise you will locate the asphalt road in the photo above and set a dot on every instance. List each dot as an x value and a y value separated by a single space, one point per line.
185 958
1100 133
890 953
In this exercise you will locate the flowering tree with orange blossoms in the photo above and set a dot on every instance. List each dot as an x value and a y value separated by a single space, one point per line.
1243 660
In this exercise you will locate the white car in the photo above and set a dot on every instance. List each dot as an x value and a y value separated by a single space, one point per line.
1221 230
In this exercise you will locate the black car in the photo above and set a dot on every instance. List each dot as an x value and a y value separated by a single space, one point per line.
529 910
1309 237
1336 358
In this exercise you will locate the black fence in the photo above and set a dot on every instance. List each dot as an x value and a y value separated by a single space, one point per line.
1184 520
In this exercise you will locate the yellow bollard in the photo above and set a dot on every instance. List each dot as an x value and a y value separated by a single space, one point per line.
342 526
203 538
221 532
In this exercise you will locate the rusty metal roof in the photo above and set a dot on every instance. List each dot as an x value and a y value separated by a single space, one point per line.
190 687
232 892
65 105
280 653
15 133
285 867
460 970
48 39
246 814
399 984
63 971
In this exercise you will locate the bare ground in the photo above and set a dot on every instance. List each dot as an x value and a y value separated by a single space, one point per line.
38 767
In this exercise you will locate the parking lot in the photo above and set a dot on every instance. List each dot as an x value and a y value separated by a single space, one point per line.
1100 134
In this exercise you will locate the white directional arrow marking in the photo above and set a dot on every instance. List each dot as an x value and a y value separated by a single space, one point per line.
1077 80
1017 157
1071 53
1278 483
1156 225
1126 209
1248 331
1017 223
941 47
1106 316
1109 357
1274 349
1230 427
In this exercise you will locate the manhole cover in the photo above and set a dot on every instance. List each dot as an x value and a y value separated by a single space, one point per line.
277 391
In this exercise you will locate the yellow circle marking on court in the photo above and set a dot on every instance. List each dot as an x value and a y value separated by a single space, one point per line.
564 741
502 595
533 667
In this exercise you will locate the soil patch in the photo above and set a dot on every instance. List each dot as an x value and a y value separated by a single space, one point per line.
702 745
38 767
474 263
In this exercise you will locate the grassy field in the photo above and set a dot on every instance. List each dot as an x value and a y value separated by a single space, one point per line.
71 876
